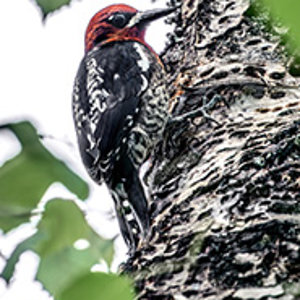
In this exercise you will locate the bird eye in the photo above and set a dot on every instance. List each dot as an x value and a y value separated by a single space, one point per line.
118 20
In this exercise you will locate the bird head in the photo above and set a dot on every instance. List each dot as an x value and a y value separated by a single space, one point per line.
120 22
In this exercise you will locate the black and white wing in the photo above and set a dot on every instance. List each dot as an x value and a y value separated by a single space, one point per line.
106 100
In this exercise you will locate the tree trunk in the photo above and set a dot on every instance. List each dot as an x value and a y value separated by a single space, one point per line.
225 184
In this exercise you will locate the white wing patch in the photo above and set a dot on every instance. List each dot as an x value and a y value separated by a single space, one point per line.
96 99
116 76
144 84
143 63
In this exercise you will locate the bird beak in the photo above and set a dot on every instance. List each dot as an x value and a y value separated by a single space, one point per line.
144 17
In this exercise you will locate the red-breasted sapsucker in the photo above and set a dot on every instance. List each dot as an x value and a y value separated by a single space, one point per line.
120 109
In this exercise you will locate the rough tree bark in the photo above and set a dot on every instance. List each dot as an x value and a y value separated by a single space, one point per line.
225 185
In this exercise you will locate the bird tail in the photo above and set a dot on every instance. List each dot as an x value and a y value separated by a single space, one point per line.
131 205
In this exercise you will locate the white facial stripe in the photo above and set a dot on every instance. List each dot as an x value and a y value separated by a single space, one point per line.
134 20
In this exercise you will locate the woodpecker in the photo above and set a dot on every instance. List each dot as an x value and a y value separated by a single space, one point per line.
120 109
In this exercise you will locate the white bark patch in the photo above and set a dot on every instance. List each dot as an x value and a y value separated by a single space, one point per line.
259 292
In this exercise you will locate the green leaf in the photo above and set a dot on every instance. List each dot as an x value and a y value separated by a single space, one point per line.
25 178
48 6
287 12
98 286
61 263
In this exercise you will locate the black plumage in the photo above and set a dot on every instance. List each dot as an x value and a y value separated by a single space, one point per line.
120 110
